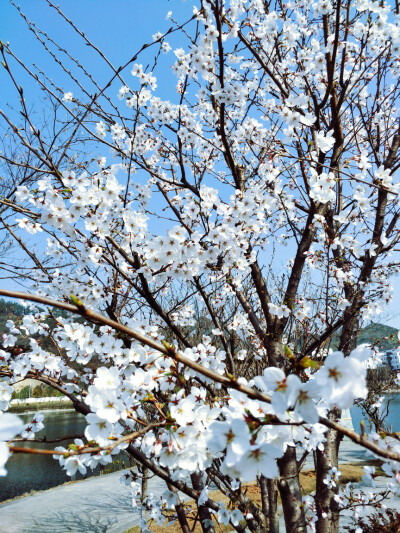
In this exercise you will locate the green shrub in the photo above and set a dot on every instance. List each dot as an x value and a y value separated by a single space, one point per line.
49 391
37 392
115 466
24 393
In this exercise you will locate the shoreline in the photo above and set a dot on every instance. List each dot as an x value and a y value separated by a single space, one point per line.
30 493
22 406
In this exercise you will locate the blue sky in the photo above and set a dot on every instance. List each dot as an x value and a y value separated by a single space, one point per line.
119 28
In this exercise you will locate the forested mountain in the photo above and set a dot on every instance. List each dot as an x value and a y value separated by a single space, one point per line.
10 310
384 336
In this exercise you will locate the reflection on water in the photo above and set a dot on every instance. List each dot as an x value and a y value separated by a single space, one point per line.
28 472
392 422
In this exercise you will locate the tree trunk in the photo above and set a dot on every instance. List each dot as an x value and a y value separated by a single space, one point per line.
268 525
275 351
273 518
269 503
290 491
327 507
144 508
262 481
180 511
145 482
206 522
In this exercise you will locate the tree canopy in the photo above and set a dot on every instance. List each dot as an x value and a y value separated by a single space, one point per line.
217 245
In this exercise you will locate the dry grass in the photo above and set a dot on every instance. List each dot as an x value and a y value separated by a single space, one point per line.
351 472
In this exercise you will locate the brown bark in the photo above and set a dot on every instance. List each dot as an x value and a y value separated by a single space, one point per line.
275 351
327 507
290 491
265 526
273 517
145 482
206 522
180 511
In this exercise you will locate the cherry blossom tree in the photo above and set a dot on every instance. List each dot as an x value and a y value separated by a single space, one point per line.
214 252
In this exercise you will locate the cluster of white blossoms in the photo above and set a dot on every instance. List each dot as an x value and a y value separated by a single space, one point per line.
245 433
5 389
10 426
333 383
34 425
80 463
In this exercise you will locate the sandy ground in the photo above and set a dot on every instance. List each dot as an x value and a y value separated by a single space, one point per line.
103 505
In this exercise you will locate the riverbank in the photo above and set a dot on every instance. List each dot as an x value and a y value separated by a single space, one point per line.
39 404
37 472
103 505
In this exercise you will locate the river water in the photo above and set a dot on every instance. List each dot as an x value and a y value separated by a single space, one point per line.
392 421
28 472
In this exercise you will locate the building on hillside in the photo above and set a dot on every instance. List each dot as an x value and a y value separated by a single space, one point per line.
391 358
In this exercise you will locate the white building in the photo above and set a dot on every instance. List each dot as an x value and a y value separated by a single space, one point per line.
391 358
388 358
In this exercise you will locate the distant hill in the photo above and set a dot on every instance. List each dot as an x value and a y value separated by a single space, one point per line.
379 335
383 336
15 311
10 311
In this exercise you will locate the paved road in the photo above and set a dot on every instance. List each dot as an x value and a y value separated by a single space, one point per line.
102 504
95 505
